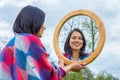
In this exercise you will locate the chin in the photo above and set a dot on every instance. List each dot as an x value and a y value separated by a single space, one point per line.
77 48
40 36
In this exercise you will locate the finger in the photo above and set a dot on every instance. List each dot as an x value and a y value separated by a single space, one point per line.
82 66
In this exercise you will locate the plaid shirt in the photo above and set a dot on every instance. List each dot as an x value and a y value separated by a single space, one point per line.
25 58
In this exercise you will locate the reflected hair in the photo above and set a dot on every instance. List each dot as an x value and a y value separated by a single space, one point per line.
67 47
29 20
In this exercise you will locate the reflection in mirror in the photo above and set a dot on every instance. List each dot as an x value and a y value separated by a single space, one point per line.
85 38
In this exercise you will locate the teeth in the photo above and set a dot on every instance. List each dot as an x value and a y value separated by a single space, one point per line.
77 43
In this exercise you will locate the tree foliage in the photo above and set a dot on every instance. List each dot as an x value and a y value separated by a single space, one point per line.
86 74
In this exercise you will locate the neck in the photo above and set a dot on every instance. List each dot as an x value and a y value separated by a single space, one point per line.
75 55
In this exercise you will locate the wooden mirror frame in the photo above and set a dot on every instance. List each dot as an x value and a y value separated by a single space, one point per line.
101 41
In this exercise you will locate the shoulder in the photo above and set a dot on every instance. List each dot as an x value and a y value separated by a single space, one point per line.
26 40
86 54
27 37
66 55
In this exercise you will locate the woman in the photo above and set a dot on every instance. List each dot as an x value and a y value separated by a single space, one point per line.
75 45
24 57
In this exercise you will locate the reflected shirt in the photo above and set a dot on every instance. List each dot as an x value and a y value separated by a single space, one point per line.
68 56
25 58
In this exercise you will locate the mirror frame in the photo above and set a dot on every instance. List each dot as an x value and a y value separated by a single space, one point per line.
101 41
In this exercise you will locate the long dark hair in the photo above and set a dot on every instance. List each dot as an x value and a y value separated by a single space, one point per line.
67 47
29 20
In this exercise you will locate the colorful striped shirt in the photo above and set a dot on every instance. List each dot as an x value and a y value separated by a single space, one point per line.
25 58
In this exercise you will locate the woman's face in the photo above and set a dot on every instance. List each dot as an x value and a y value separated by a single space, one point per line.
76 41
40 32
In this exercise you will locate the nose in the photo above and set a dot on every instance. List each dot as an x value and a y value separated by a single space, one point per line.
44 27
77 40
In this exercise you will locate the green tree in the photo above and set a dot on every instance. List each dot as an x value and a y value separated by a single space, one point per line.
91 28
105 76
74 76
86 74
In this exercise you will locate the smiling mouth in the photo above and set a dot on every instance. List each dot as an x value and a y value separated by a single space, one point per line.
76 45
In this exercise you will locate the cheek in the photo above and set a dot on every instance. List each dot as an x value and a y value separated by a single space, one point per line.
39 34
71 43
82 42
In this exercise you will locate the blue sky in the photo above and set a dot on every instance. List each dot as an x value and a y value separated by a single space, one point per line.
108 11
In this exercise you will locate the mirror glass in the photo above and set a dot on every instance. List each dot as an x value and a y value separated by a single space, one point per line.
89 29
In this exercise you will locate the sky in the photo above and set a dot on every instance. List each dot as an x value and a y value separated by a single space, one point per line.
107 10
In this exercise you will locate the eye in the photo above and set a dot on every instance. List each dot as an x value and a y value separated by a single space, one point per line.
73 37
80 38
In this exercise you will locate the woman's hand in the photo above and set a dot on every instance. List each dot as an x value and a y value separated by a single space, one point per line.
61 62
74 67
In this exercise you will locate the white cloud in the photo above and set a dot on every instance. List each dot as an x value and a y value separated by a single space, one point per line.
112 29
111 3
50 2
5 33
4 25
16 3
5 29
2 3
21 3
108 59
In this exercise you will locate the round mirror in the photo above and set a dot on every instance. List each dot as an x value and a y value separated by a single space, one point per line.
80 27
